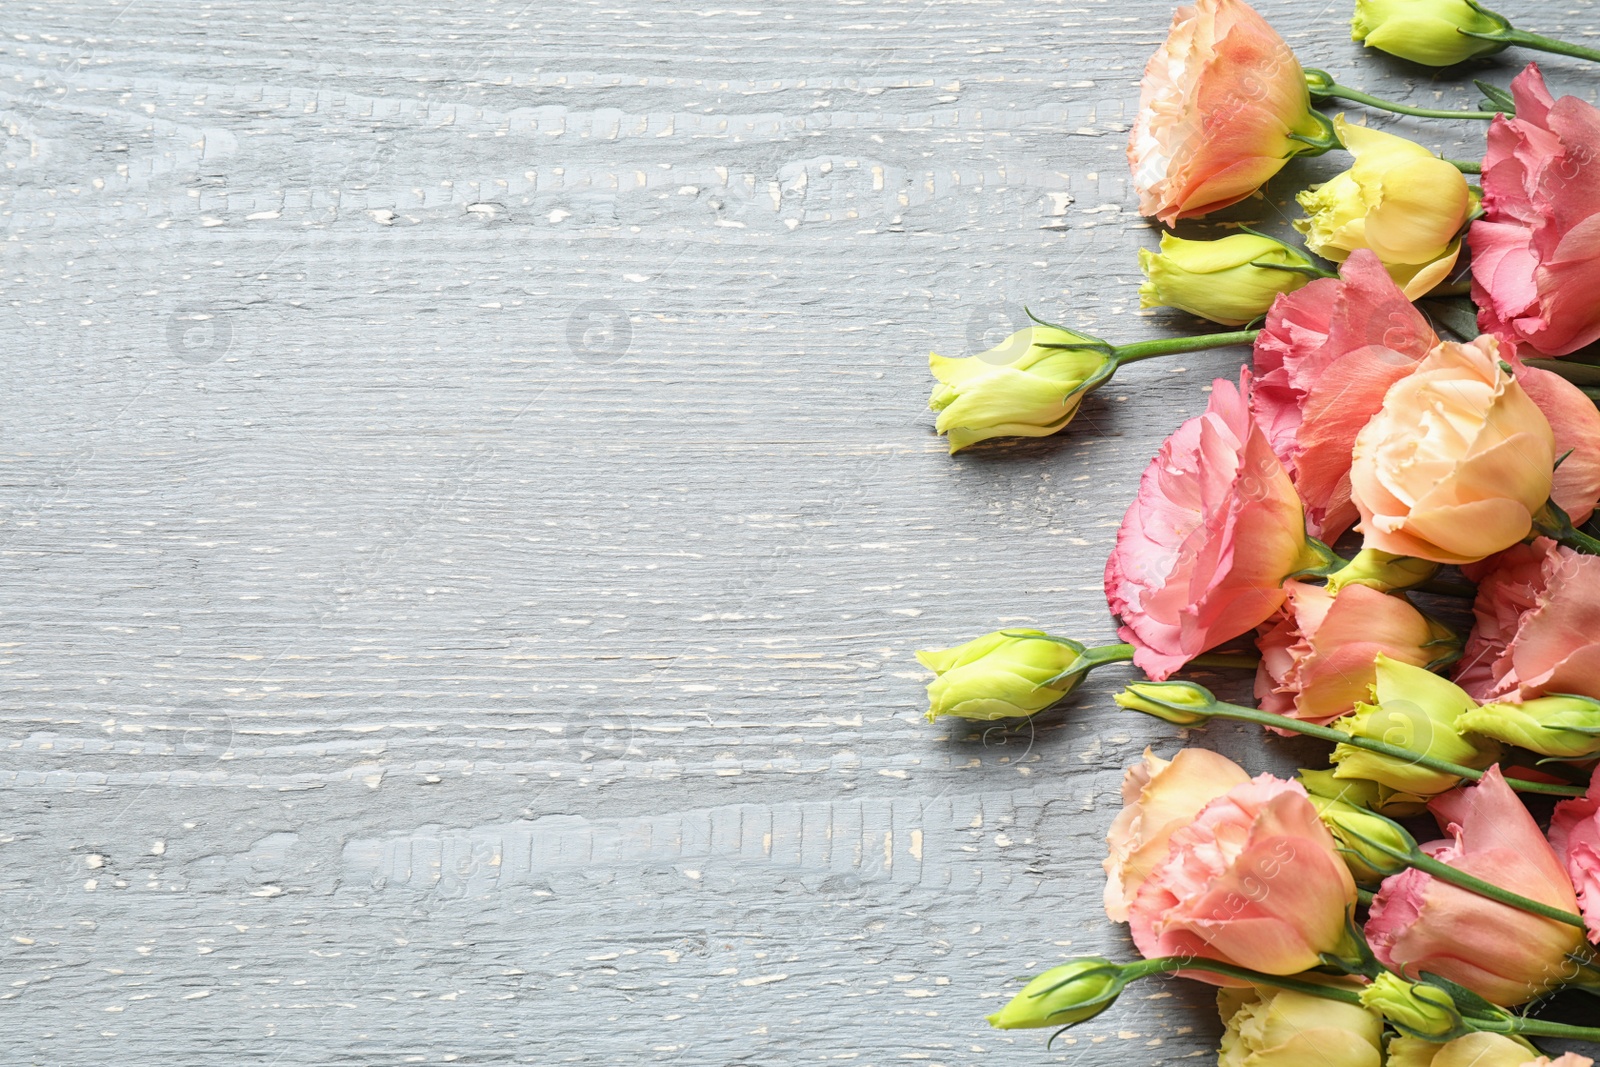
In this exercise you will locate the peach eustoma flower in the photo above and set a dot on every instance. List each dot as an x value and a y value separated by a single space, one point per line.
1575 835
1503 954
1536 251
1254 881
1327 357
1324 361
1205 548
1158 797
1457 461
1538 625
1318 656
1399 200
1223 105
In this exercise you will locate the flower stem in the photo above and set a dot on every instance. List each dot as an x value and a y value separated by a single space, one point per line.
1323 88
1521 1024
1546 44
1555 524
1223 710
1172 346
1466 166
1169 964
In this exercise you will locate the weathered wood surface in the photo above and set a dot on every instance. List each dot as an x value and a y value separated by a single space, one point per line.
468 513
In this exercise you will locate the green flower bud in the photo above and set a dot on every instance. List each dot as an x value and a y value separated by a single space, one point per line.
1360 793
1567 727
1003 675
1231 281
1383 571
1027 386
1354 829
1416 710
1180 703
1413 1008
1426 31
1063 995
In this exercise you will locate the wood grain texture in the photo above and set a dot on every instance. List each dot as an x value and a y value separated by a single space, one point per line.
466 513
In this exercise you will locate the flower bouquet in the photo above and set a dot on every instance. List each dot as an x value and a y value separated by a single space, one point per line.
1375 457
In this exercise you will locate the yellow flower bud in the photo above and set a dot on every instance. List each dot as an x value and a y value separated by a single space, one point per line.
1420 1010
1353 828
1029 385
1063 995
1398 199
1231 281
1360 793
1567 727
1001 675
1180 703
1283 1028
1426 31
1416 710
1383 571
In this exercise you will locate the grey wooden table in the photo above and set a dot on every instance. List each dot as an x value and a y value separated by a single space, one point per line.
467 511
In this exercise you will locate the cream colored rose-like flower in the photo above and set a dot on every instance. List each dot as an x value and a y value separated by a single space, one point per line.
1456 463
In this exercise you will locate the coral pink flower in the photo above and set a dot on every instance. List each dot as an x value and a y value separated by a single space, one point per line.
1575 422
1203 552
1158 797
1457 461
1318 656
1503 954
1219 106
1536 252
1254 881
1326 358
1538 625
1575 834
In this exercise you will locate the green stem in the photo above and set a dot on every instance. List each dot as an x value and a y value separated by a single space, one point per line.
1169 964
1242 661
1466 166
1172 346
1323 87
1555 524
1521 1024
1546 44
1223 710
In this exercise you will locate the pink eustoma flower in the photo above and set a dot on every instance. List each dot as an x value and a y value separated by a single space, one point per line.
1536 251
1575 835
1318 655
1502 953
1203 552
1538 625
1221 105
1254 880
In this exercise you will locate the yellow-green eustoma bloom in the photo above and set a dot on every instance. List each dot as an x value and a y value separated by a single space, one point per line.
1565 727
1414 709
1426 31
1001 675
1231 280
1029 385
1399 200
1419 1010
1063 995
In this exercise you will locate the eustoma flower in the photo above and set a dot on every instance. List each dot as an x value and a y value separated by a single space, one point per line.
1476 1050
1399 200
1253 881
1001 675
1324 360
1506 955
1318 655
1538 624
1223 106
1536 252
1230 281
1575 835
1159 796
1205 548
1456 463
1287 1028
1425 31
1030 385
